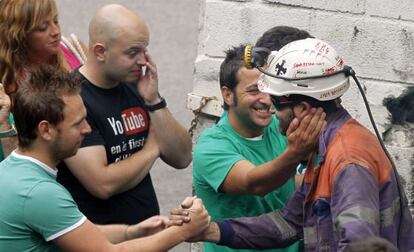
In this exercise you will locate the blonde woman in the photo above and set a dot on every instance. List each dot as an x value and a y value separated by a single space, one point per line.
30 36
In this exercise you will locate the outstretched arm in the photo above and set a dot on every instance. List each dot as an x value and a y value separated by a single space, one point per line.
245 177
88 237
272 230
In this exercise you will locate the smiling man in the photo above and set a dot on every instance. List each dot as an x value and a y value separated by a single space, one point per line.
244 166
352 193
39 214
131 125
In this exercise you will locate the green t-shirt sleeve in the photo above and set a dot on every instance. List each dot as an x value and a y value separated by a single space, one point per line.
213 158
51 211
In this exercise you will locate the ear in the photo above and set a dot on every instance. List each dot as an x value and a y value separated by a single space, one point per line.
46 131
302 109
99 51
228 95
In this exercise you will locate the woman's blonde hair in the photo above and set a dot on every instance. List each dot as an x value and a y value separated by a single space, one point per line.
18 18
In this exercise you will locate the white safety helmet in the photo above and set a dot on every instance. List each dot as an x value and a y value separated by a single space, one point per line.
301 59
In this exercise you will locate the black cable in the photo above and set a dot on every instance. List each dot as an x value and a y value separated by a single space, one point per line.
397 177
371 118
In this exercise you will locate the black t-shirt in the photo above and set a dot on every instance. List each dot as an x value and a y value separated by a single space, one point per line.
120 122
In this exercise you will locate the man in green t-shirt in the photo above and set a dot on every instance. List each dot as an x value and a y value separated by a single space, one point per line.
244 166
39 214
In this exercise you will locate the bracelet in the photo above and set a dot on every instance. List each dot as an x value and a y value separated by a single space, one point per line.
160 105
8 133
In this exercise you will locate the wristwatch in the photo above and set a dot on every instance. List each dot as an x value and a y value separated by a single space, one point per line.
160 105
10 132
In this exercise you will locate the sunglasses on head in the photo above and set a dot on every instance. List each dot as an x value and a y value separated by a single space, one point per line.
281 104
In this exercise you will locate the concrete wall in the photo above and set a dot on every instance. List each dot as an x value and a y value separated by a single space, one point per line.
173 26
375 37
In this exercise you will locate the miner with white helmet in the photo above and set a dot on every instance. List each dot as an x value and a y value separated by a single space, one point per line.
350 191
297 64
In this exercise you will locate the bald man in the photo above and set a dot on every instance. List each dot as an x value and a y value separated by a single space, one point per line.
131 125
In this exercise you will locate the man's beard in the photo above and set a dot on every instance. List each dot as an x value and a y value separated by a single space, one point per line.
58 152
283 127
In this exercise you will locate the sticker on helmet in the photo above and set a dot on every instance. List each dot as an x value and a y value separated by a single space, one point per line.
330 70
334 92
308 64
340 62
280 68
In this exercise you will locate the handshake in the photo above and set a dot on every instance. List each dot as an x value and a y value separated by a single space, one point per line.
193 216
189 222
